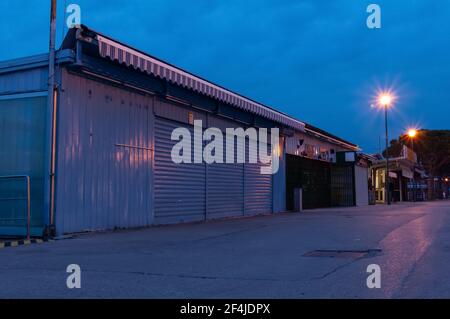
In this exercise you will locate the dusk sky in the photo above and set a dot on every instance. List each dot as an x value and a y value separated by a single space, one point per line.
315 60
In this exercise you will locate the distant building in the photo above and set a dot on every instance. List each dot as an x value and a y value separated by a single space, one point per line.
407 178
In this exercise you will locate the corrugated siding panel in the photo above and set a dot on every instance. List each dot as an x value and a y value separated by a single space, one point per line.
179 188
22 130
104 157
24 81
170 111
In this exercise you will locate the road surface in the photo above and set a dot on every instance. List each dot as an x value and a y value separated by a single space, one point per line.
258 257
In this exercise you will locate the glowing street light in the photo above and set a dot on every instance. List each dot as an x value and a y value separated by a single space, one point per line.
385 100
412 133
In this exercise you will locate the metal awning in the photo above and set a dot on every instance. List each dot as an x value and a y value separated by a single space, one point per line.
115 51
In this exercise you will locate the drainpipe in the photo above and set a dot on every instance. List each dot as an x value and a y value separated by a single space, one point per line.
51 119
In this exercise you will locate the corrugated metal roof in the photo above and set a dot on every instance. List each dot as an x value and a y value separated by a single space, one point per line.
123 54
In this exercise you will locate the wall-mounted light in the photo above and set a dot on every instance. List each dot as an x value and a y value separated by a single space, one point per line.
277 150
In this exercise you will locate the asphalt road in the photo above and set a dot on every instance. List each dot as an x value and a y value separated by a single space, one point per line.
259 257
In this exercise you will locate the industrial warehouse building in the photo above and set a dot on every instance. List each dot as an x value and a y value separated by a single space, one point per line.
101 158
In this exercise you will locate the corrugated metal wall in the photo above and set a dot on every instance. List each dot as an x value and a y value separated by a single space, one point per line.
22 129
104 157
106 176
31 80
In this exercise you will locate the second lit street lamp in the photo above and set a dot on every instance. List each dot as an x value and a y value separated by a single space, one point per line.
385 100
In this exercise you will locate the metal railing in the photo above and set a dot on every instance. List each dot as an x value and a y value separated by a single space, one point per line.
28 199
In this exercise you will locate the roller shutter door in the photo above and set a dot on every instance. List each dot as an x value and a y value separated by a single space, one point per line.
257 188
225 189
179 188
193 192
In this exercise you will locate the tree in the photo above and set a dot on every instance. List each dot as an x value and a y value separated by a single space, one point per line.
432 148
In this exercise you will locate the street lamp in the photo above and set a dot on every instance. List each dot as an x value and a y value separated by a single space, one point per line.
412 133
385 101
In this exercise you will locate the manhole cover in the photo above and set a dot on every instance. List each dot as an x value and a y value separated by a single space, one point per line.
343 253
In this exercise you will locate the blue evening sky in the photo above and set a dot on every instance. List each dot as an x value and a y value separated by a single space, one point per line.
315 60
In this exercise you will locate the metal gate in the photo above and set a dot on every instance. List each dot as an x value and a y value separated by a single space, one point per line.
342 186
313 177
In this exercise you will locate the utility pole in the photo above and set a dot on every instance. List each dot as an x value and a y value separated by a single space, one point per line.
51 119
51 65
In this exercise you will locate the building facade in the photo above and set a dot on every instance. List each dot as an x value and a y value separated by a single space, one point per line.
407 179
101 158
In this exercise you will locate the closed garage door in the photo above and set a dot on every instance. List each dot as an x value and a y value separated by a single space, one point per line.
179 188
257 188
192 192
225 188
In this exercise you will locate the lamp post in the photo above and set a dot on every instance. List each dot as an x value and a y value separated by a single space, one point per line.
385 101
412 133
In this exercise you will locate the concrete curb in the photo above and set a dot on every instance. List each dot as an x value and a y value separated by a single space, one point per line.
16 243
